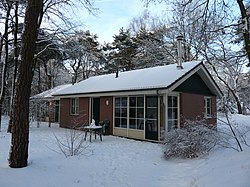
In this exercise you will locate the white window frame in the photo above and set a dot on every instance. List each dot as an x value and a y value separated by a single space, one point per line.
136 107
208 108
120 108
178 110
74 106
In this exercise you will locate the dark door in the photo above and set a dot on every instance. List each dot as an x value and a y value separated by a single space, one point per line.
151 126
96 110
56 111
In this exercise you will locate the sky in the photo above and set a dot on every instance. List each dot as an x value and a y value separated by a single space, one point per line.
113 15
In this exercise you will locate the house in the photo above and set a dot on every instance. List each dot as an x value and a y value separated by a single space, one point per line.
44 106
144 103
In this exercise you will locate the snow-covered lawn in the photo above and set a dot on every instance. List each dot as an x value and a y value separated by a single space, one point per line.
119 162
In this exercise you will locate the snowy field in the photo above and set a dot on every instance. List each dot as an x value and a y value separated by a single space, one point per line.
120 162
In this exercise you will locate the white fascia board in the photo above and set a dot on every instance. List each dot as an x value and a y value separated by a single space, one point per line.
122 93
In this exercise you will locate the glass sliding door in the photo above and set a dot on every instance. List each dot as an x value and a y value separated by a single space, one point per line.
151 125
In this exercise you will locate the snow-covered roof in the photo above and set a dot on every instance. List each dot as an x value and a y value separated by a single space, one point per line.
48 94
141 79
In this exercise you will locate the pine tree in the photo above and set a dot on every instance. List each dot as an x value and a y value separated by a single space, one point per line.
18 157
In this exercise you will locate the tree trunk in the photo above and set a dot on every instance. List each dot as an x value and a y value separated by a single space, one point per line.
15 45
239 107
5 61
244 17
18 156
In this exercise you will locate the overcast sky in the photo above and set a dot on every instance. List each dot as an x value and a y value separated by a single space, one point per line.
113 14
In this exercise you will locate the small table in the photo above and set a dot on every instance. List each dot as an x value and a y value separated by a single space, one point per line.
93 129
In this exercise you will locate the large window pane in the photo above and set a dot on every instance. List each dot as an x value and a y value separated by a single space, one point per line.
140 112
124 112
117 102
175 113
117 122
174 101
140 101
140 124
132 113
132 123
132 101
123 122
124 101
152 102
117 112
170 101
152 113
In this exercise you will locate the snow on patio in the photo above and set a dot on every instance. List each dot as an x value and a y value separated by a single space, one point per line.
119 162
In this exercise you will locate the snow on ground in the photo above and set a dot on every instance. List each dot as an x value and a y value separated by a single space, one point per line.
119 162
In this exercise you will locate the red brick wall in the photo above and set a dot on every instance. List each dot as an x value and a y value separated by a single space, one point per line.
67 120
192 107
106 111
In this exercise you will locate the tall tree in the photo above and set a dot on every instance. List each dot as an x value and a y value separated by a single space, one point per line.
18 156
4 42
20 129
226 12
83 54
121 52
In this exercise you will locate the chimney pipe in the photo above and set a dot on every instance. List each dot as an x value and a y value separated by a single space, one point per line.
179 48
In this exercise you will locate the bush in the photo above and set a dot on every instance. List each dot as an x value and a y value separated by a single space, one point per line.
196 138
72 143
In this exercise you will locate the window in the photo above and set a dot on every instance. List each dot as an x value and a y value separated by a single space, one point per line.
74 103
121 112
208 107
136 112
172 112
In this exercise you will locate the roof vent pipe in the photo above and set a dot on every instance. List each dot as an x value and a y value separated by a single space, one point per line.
179 48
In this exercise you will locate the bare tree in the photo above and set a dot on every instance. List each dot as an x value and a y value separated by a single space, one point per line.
224 13
83 54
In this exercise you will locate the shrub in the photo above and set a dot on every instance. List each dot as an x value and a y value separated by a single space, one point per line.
72 143
196 138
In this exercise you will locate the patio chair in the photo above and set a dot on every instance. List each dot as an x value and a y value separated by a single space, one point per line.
105 126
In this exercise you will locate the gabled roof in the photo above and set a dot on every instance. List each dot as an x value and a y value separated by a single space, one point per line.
48 94
160 77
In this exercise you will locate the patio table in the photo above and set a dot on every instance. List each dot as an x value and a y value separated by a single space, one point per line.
93 129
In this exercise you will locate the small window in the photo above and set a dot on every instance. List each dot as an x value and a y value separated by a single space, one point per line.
172 112
208 107
74 103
